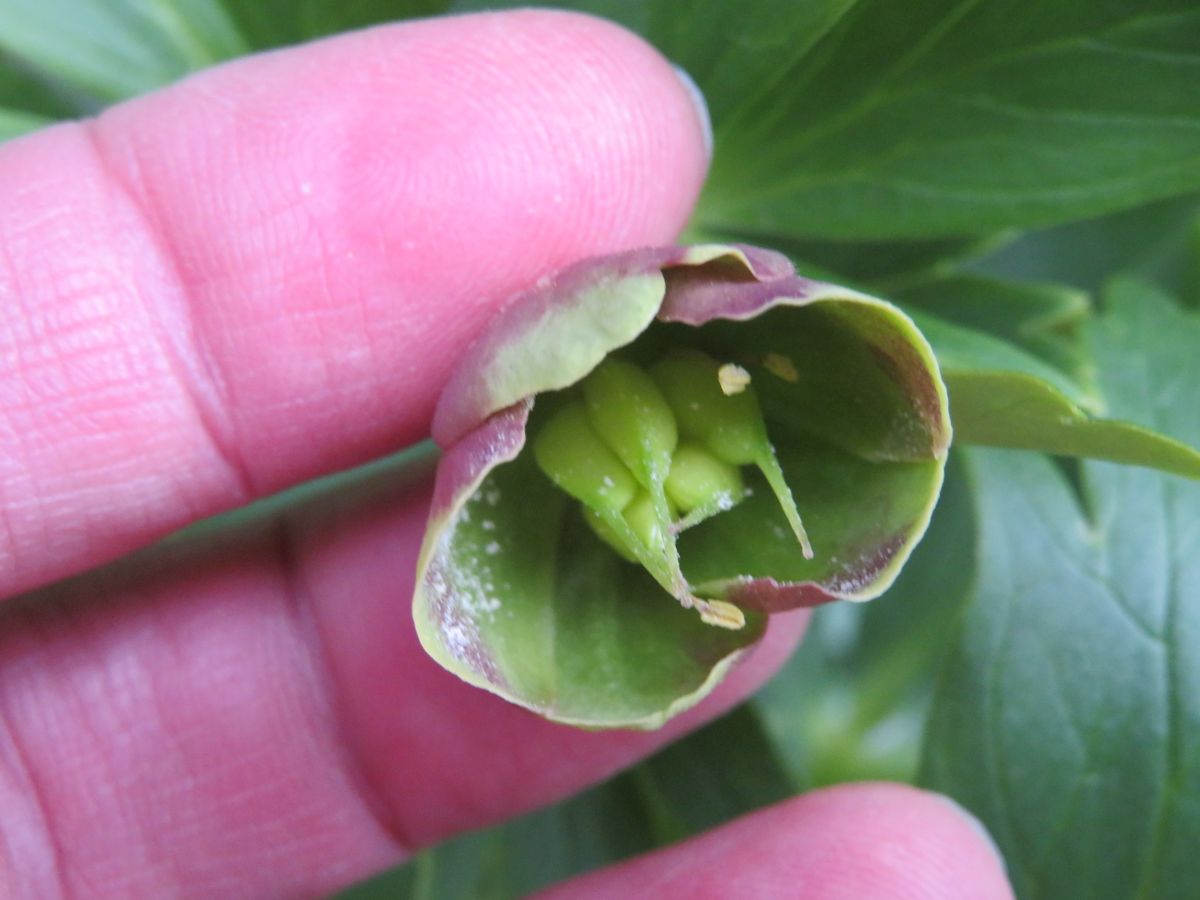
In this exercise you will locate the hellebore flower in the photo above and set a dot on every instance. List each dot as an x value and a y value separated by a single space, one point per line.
650 453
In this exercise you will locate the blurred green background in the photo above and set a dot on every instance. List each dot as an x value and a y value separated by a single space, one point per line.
1026 172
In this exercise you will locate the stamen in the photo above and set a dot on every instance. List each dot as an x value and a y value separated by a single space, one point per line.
733 379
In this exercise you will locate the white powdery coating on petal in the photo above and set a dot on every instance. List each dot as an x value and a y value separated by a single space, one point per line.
458 631
472 578
461 597
847 581
456 639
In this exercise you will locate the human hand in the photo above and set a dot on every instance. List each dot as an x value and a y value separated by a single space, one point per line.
259 276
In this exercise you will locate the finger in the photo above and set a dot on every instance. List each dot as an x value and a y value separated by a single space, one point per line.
250 714
265 272
842 843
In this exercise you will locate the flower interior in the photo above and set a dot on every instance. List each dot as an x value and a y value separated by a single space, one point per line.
651 451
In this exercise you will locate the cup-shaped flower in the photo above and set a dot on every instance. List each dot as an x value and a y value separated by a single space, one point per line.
650 453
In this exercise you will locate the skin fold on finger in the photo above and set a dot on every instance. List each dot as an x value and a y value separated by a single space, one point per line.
851 842
265 273
246 712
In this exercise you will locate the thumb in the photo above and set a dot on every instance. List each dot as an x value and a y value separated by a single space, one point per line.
264 273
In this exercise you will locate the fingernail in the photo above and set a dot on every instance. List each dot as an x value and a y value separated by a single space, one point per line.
978 827
700 105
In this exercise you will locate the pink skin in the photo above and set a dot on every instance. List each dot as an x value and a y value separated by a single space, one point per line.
260 275
850 842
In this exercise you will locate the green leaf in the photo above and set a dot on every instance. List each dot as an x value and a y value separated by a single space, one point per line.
117 49
1041 318
75 58
15 122
275 23
946 117
598 827
1069 717
1159 242
1009 409
878 120
23 90
726 769
736 52
1001 396
851 703
965 354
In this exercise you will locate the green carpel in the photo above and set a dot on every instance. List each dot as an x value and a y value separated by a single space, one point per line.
650 454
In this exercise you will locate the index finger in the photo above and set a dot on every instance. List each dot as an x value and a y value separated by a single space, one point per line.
264 273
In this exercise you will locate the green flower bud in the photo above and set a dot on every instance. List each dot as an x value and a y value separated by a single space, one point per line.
601 523
626 428
573 457
640 518
643 519
632 416
731 425
699 480
624 434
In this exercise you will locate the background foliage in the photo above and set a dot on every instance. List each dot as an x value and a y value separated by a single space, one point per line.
1023 178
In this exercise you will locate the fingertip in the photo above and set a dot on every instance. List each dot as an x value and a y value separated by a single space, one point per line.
349 214
894 840
578 133
840 843
699 106
265 273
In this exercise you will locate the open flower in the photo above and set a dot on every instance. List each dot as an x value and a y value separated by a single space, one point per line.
650 453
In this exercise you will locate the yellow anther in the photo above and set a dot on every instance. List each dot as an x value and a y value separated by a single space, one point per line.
781 367
733 379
